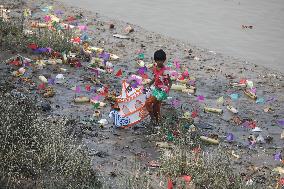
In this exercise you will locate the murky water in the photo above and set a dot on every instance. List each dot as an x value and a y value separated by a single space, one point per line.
211 24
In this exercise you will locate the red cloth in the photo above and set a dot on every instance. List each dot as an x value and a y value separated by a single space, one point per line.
161 78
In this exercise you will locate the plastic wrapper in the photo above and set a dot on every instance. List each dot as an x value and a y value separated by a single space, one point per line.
159 94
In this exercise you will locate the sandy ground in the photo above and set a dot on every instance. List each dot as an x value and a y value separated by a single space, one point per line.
116 152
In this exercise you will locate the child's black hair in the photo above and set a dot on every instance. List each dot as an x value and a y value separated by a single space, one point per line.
160 55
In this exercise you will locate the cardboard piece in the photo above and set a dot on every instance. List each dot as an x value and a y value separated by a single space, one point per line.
131 103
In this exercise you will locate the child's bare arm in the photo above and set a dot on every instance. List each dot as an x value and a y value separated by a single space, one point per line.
170 82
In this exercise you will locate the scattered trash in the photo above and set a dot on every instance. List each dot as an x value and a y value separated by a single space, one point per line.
81 99
241 85
121 36
260 139
170 136
252 140
154 164
213 110
250 94
279 170
178 87
111 26
234 96
201 98
249 84
268 139
188 90
49 92
129 29
98 86
249 182
131 104
42 79
260 101
278 157
163 145
209 140
281 122
230 137
59 78
220 100
235 155
103 122
4 13
232 109
202 125
257 129
194 114
246 27
268 109
118 73
97 113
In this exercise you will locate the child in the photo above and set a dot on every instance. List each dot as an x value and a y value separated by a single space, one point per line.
162 84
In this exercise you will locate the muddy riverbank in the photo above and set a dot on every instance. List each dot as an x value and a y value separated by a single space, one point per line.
116 152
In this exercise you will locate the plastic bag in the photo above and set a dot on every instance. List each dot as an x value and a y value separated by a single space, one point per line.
159 94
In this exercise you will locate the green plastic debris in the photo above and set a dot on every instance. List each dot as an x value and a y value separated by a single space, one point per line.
141 56
159 94
96 105
170 136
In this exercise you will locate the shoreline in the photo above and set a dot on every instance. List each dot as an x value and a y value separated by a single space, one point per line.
212 72
257 45
180 41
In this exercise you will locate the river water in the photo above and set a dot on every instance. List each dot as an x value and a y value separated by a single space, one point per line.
212 24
